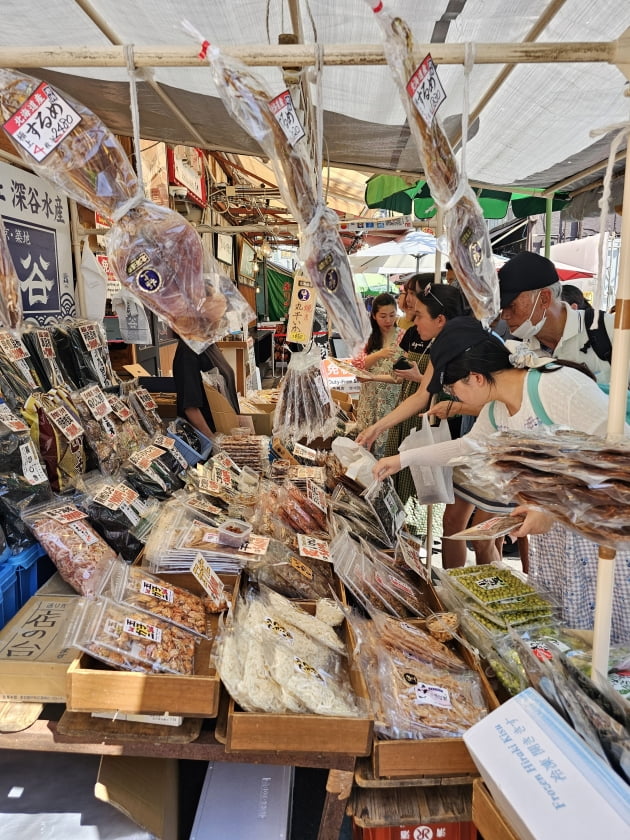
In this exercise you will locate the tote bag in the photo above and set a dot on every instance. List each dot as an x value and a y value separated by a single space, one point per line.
433 484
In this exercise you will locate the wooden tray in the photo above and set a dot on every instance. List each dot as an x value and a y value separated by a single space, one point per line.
488 819
81 725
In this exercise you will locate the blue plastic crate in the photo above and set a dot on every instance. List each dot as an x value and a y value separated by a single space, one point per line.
25 565
192 456
8 593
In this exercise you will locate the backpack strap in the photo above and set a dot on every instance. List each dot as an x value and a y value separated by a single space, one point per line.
533 378
598 337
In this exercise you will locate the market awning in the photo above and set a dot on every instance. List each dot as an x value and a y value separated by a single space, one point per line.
391 192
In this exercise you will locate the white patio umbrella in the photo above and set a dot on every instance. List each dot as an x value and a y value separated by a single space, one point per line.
395 257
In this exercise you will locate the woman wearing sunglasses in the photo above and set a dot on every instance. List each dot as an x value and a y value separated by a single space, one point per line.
480 370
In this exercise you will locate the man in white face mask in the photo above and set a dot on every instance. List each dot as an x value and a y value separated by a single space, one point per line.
532 306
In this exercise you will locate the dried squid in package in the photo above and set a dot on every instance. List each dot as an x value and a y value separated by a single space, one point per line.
155 253
470 251
10 296
266 119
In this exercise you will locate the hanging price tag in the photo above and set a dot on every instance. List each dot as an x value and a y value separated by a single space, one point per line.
42 122
426 91
146 400
32 469
121 411
225 462
45 343
312 547
12 348
90 336
284 111
315 494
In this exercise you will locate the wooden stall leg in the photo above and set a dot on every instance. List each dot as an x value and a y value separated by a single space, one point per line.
338 788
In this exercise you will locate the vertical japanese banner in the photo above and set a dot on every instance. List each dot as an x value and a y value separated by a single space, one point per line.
301 311
36 218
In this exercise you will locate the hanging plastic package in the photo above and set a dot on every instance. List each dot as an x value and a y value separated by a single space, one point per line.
93 282
10 295
275 125
469 248
154 252
132 319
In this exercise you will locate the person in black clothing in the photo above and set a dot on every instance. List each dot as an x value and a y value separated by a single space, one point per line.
192 403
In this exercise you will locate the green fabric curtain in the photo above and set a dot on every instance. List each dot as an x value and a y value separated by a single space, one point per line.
279 287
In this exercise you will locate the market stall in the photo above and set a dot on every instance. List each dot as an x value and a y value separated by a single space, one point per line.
259 586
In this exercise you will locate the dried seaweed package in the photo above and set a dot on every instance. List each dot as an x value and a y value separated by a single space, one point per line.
58 436
116 512
171 457
38 341
130 435
274 124
89 344
387 508
149 475
14 441
145 409
305 407
94 412
15 359
10 294
469 247
17 494
82 558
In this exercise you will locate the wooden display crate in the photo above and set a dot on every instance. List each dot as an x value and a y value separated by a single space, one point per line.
95 687
431 756
259 731
488 819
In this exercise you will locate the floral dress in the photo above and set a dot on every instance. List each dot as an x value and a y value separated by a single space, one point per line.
378 398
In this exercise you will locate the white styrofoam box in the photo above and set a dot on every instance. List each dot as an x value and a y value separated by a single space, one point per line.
244 800
543 777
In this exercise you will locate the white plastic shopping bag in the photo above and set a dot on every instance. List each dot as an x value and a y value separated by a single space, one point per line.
433 484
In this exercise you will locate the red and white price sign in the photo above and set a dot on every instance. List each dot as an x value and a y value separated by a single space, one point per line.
316 495
12 348
66 514
45 342
65 422
425 90
312 547
284 111
42 122
119 408
90 336
11 420
146 400
97 402
145 457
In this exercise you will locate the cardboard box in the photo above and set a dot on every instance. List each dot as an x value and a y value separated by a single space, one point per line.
144 789
226 419
33 656
431 756
244 800
94 687
544 779
487 817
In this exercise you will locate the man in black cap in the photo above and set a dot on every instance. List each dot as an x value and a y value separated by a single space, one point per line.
531 303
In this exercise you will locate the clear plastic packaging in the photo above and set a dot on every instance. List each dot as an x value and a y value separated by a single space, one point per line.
387 508
94 412
10 294
81 557
131 640
323 254
233 532
136 588
291 575
305 408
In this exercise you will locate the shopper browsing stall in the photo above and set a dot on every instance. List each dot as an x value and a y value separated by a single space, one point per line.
378 396
524 392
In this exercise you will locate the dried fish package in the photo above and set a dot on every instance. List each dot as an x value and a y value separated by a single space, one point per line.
470 251
265 118
305 407
10 294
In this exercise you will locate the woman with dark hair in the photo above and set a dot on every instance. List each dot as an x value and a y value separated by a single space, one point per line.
379 391
520 391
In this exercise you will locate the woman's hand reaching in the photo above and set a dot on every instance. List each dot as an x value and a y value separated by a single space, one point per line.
535 522
412 374
367 436
385 467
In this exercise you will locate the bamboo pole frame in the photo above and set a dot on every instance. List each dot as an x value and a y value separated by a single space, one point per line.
304 55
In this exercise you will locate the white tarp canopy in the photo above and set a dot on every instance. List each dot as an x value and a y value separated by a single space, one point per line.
534 131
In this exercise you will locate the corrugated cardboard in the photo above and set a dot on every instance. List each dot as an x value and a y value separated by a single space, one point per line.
33 657
226 419
144 789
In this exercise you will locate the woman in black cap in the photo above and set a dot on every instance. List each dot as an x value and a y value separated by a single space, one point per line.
521 391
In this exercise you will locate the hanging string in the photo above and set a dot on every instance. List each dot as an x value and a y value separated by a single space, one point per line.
123 209
462 185
623 131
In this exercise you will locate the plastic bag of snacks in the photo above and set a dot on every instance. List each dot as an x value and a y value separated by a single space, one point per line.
10 294
82 557
305 407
